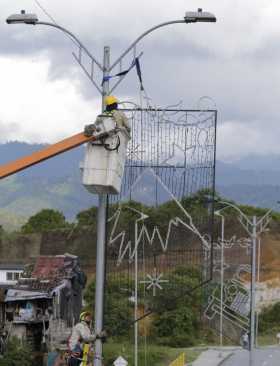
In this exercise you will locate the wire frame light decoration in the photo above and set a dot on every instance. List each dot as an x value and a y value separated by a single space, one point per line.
159 230
227 307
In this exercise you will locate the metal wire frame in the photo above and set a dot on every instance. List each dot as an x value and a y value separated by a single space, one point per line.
235 311
179 145
172 156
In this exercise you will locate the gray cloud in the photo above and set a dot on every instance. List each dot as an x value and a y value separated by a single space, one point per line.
235 61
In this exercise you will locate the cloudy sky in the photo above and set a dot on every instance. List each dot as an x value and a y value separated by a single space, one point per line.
45 95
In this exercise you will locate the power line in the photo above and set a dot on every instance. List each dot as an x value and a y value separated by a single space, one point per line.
45 11
53 20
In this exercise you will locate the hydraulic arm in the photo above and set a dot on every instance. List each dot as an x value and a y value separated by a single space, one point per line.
44 154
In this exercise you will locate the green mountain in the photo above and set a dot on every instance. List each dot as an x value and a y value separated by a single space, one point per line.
56 184
21 197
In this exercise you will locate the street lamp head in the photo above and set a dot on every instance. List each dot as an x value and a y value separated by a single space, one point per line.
22 18
199 16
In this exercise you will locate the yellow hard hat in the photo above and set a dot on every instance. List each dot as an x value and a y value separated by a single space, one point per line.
110 99
84 314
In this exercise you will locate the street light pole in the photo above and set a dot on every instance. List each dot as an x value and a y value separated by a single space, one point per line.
253 290
106 68
101 237
254 228
258 281
217 213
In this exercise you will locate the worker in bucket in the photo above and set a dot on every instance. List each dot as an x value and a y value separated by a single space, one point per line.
80 339
111 105
120 118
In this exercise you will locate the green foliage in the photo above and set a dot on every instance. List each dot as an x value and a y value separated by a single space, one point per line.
176 319
246 209
2 231
118 309
259 212
200 199
17 354
45 220
196 205
269 318
87 217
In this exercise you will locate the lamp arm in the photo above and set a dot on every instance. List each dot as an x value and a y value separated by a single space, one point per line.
142 36
265 216
72 36
228 204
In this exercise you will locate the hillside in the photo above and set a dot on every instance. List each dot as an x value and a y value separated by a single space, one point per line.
56 184
51 184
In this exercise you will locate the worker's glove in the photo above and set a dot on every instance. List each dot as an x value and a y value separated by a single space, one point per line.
89 130
102 335
75 354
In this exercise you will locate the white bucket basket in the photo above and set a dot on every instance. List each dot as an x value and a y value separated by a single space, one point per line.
102 170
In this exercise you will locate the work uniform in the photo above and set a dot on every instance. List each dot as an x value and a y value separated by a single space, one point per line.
81 334
121 119
118 116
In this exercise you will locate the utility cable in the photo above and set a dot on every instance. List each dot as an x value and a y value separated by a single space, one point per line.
53 20
45 11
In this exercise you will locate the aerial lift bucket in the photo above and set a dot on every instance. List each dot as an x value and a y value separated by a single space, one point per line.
103 165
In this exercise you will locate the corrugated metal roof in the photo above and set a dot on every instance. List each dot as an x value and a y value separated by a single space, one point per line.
18 295
49 272
48 267
11 266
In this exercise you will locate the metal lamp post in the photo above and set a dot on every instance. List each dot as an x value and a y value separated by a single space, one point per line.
254 228
218 213
105 68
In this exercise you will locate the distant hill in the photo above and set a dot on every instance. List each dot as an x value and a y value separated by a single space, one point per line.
253 181
56 184
51 184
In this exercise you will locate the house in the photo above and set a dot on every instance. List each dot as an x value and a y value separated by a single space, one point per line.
10 273
43 305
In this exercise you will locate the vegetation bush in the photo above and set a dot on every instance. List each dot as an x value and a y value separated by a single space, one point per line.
270 318
17 354
176 314
117 308
87 217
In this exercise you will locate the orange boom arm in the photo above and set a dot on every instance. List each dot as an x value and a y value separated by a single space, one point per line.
41 155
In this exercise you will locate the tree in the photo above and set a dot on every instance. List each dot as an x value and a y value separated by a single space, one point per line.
176 313
87 217
269 318
45 220
177 309
118 309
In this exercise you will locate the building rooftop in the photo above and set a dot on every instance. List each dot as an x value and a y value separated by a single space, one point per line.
50 272
11 266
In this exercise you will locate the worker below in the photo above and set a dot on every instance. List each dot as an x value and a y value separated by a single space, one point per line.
112 111
80 339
